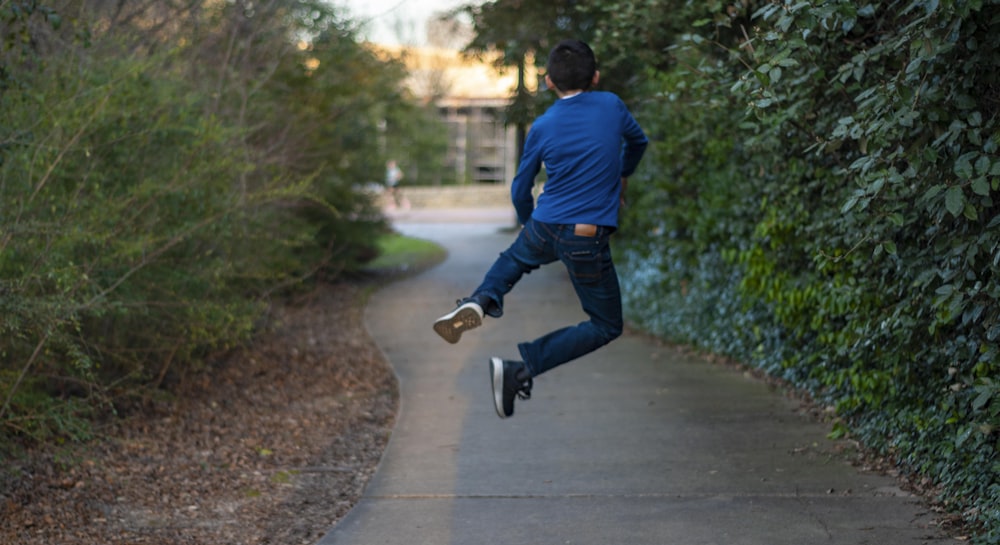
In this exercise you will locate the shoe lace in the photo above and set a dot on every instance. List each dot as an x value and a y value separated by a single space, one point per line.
524 391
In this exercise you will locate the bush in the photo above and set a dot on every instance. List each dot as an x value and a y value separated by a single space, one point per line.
151 210
845 237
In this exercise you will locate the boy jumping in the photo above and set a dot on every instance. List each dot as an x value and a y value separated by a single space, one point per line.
589 144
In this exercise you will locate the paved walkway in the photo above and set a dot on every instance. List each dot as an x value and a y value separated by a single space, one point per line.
634 444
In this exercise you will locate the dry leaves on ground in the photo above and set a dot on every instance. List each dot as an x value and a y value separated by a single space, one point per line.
274 446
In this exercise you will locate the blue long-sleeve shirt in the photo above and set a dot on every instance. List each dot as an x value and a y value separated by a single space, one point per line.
587 143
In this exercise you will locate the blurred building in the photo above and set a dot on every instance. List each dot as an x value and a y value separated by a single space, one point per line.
471 97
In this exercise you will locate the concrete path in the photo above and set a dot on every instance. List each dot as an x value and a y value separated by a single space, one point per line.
634 444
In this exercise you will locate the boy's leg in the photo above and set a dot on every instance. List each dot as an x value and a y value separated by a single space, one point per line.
588 260
596 284
524 255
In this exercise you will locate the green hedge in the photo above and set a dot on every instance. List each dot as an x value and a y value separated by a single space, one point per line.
819 202
159 189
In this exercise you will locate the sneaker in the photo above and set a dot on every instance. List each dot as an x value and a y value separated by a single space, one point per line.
468 315
510 379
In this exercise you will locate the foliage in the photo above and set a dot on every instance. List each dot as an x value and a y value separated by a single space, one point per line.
819 202
167 168
517 33
402 254
418 139
514 33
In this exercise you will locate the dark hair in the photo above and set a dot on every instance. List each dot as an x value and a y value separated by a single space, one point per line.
571 65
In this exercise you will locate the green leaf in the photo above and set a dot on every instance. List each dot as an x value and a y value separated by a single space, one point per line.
954 200
945 290
798 6
980 186
963 166
962 436
839 431
982 399
983 165
970 212
933 191
849 204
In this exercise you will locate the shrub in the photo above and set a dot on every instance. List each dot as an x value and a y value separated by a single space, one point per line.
845 237
152 211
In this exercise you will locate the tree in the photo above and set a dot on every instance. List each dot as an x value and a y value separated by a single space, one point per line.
521 32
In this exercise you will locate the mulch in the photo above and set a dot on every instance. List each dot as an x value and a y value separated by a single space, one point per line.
275 444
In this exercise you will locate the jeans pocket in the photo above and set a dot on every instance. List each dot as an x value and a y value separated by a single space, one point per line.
584 263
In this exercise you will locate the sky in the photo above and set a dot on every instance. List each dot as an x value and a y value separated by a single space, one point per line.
395 22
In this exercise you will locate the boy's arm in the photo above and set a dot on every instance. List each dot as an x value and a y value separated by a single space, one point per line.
524 180
635 144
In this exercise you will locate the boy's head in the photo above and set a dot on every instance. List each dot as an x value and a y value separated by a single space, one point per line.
572 66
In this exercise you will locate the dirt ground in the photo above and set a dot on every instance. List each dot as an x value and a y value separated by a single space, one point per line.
273 446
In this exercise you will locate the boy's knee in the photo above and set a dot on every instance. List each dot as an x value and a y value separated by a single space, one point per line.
609 332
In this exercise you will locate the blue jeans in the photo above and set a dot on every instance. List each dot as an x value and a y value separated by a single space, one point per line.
588 260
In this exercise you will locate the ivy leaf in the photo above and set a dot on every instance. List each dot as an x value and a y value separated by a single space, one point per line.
954 200
849 204
972 315
983 164
761 75
963 166
962 436
982 399
980 186
933 191
971 212
945 290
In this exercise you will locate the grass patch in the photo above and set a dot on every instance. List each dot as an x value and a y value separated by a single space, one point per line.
402 254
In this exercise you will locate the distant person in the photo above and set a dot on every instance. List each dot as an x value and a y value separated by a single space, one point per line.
589 144
393 176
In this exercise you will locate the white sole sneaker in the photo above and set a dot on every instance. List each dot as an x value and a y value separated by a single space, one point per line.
465 317
496 380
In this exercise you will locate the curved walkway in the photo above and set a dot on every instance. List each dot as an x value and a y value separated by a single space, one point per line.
634 444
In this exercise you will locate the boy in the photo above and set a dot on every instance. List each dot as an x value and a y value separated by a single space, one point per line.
579 139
